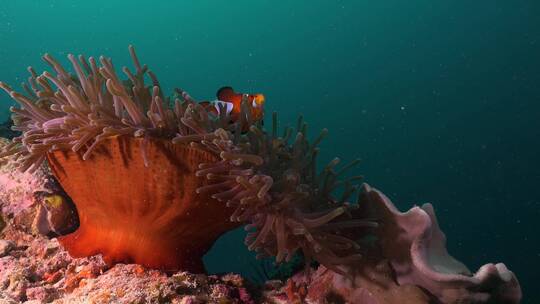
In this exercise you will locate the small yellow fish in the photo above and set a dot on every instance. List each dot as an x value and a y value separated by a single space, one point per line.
55 215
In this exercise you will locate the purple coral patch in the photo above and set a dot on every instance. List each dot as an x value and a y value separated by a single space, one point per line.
416 248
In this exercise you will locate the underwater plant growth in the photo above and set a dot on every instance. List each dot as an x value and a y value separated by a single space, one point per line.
179 165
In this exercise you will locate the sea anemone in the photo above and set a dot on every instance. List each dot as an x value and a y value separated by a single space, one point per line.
156 179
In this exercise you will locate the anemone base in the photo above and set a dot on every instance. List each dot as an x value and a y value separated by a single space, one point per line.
134 246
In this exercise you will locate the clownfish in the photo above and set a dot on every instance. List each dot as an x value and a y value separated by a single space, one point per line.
230 101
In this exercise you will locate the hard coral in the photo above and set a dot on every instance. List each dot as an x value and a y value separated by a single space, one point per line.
148 178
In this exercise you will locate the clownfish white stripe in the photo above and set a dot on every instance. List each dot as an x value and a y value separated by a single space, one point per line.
228 106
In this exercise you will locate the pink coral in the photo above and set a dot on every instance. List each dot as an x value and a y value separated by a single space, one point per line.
408 263
416 248
38 270
17 187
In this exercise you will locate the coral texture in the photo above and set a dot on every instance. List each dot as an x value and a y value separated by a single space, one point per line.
416 248
374 285
17 188
38 270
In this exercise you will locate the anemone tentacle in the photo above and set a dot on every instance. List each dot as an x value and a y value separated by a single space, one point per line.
271 181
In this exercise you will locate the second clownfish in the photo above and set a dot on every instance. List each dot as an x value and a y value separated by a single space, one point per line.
231 101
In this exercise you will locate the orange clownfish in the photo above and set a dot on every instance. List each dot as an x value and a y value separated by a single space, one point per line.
231 102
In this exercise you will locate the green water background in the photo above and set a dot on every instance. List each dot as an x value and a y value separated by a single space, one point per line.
441 99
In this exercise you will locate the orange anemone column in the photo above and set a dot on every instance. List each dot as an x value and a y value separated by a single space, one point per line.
130 213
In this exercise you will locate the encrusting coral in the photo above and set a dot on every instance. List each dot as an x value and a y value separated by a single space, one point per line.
155 181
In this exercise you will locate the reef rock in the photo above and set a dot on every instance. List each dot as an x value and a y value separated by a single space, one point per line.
17 188
374 284
37 269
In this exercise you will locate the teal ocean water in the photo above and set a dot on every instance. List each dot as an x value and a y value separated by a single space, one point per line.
440 99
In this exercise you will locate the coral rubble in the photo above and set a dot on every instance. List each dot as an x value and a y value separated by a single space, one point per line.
39 270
